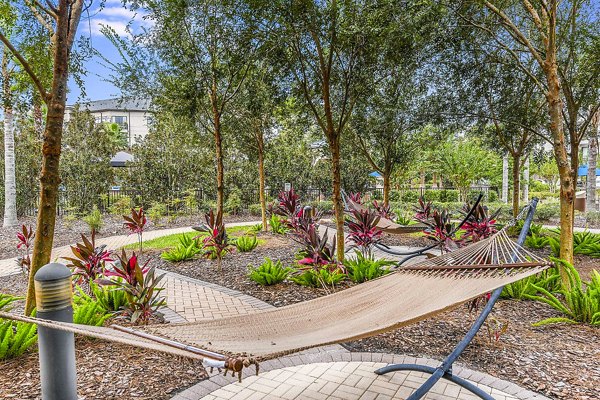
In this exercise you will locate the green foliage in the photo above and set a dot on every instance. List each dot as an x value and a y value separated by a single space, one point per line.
314 277
409 196
16 338
268 273
537 186
404 218
254 229
233 205
519 290
545 195
157 211
110 298
579 304
448 195
186 249
593 217
254 209
121 206
277 225
94 220
536 242
365 268
245 244
88 311
85 169
547 211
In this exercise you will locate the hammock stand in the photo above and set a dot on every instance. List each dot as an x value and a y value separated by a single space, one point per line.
349 206
445 369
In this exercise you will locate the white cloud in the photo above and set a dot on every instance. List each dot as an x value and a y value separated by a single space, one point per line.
119 18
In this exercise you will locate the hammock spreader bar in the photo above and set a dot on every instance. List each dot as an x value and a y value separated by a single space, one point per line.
445 369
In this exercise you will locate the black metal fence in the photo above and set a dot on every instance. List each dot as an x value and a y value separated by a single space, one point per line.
201 200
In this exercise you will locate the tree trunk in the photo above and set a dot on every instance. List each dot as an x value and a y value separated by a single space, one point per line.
49 179
590 202
218 150
386 188
338 205
38 116
516 172
10 181
261 178
505 178
526 180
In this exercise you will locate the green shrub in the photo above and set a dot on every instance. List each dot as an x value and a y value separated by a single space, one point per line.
245 244
409 196
537 186
432 195
536 242
254 209
122 206
277 225
319 277
157 211
254 229
547 210
268 273
87 311
579 304
233 205
519 290
404 218
448 195
191 201
185 250
544 195
592 217
325 206
394 195
94 220
492 196
362 269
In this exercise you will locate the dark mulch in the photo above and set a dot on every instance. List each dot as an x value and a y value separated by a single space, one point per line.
235 271
107 371
69 232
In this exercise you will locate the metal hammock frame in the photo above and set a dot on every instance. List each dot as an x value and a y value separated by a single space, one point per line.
445 369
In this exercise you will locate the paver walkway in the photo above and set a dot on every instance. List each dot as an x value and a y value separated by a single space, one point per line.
329 372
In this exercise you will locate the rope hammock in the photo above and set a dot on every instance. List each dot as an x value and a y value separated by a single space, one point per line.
400 298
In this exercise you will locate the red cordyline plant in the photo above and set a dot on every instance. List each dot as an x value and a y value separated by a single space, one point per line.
25 238
423 210
140 284
135 223
480 225
288 206
441 229
316 250
383 210
88 261
216 245
364 232
356 198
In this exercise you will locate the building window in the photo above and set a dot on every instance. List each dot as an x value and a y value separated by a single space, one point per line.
122 121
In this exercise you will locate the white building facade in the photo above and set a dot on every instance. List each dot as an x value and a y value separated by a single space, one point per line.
132 115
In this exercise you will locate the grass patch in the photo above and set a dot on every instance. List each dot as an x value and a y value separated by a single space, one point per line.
170 241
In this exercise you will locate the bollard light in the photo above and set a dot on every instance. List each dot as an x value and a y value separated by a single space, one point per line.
54 301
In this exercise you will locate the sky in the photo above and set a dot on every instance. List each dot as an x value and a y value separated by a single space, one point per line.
112 14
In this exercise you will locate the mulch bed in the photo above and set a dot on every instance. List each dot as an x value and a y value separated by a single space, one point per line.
561 362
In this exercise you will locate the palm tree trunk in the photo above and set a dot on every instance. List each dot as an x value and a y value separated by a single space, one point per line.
592 164
10 181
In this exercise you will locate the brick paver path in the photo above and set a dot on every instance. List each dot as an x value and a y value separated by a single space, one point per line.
329 372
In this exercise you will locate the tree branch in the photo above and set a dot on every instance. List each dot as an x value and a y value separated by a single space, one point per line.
36 80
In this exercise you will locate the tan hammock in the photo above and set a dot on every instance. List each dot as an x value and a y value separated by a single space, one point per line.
400 298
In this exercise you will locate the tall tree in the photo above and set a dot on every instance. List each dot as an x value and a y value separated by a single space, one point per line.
61 20
325 44
592 163
561 39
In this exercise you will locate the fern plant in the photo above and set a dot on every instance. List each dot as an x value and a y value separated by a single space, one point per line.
536 242
16 338
88 311
111 298
246 243
185 250
519 290
364 268
579 304
268 273
277 225
325 276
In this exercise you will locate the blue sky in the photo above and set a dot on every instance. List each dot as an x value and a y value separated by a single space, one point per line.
119 18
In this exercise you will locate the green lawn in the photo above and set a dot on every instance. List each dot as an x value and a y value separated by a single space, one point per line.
170 241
